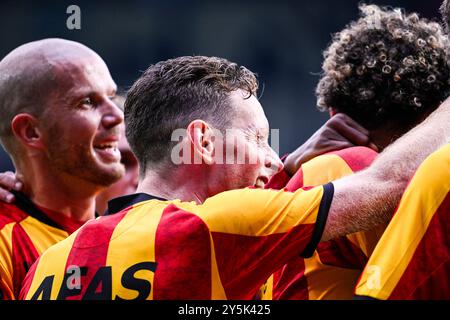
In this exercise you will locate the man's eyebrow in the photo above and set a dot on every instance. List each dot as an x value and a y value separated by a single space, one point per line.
80 93
77 95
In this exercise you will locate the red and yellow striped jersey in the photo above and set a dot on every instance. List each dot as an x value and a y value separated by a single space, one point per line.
333 270
412 259
224 248
25 232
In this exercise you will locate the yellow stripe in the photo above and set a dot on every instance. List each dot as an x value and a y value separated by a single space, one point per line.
6 269
324 169
367 240
329 167
144 219
327 282
392 255
52 262
257 212
217 290
267 289
42 235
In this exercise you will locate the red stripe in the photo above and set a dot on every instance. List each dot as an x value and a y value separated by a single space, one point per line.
24 254
296 182
341 253
183 256
290 282
245 262
428 274
278 181
90 247
26 284
357 158
10 213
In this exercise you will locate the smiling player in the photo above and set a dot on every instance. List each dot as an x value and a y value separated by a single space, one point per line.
62 130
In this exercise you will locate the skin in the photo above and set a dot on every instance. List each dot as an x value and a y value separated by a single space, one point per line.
361 201
337 133
60 156
368 198
197 182
128 183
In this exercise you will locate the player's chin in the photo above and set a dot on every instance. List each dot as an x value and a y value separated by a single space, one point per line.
111 172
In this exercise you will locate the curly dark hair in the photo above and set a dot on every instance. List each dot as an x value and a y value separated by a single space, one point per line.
387 66
172 93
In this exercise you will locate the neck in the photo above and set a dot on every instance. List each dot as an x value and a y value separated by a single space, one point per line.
383 137
185 185
391 131
68 195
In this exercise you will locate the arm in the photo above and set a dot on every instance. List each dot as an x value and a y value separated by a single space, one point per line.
368 198
338 133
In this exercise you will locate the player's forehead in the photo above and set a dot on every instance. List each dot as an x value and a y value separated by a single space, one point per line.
83 76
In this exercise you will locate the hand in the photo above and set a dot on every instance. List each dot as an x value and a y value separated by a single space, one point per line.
8 182
338 133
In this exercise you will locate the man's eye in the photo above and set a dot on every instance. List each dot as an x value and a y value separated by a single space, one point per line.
87 101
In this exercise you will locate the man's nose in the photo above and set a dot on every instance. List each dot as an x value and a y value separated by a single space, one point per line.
273 162
112 116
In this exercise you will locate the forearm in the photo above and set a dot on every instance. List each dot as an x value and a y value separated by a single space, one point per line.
369 198
361 202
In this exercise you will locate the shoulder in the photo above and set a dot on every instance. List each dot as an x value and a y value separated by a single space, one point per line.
434 172
357 158
9 213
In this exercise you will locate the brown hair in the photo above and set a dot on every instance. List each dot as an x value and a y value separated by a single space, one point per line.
172 93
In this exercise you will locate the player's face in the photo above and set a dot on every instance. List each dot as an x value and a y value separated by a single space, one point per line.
83 123
254 160
128 183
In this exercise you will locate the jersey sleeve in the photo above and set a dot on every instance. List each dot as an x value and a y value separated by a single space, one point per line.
336 264
254 232
412 258
332 166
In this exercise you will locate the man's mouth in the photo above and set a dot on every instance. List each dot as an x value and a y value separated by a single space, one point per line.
261 182
108 151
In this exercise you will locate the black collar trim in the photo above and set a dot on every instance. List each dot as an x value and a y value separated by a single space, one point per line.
120 203
27 206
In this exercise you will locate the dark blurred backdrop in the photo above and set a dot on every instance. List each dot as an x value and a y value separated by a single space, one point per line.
280 40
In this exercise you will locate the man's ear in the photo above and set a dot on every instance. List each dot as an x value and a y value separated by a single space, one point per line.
25 129
200 135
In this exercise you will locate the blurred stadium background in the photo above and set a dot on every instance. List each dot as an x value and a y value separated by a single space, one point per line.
280 40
